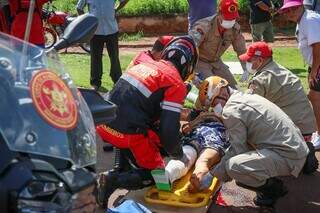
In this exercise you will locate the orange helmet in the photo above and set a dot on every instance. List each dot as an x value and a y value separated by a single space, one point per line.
210 89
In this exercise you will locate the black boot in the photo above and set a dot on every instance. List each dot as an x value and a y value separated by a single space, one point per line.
105 187
267 194
311 164
109 181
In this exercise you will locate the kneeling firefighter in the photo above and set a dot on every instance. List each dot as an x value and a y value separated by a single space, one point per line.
149 97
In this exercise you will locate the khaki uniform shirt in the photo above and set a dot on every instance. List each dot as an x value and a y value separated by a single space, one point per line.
254 123
211 44
283 88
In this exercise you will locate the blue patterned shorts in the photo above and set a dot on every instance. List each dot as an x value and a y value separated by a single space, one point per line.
208 135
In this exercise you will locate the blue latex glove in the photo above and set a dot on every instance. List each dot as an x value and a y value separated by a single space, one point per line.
206 181
244 76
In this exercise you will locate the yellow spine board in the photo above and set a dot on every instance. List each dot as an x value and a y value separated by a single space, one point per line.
179 196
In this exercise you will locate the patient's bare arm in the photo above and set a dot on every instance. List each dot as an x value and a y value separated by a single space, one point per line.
207 159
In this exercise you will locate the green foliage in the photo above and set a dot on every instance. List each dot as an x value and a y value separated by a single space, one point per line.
136 7
154 7
131 37
244 5
66 5
146 7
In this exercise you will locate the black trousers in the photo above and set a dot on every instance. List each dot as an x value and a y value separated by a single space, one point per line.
96 51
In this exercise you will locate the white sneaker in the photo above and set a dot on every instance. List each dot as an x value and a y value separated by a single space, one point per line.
316 140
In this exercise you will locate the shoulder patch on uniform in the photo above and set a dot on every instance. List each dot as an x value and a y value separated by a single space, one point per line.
197 34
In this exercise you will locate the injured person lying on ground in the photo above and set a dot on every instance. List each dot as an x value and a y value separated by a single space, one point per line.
204 143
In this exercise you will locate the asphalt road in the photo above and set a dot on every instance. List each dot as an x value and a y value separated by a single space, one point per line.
303 196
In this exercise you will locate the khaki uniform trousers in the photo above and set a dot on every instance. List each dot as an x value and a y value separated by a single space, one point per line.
255 167
218 68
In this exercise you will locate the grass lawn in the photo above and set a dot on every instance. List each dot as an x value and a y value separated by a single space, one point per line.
78 65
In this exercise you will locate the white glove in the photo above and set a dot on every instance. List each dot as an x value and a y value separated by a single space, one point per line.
244 76
206 181
176 169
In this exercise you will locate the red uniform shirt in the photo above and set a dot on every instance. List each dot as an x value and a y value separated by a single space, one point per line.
146 93
20 20
143 92
155 75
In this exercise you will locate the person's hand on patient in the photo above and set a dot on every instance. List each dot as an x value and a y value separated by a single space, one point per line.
185 112
200 181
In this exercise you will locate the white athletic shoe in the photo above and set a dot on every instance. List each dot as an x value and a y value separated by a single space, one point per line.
316 140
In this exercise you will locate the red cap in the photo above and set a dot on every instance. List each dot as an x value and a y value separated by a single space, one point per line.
260 49
164 40
229 9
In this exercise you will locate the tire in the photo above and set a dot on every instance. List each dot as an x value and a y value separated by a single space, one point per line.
85 47
50 37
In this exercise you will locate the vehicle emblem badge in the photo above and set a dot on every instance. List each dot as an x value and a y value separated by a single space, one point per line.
53 100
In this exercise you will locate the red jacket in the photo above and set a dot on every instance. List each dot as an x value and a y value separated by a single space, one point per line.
145 56
20 14
148 92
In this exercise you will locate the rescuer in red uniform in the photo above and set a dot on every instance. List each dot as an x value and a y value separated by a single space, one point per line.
149 97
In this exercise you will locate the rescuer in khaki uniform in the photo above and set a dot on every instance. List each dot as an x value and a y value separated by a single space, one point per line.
213 36
279 86
264 141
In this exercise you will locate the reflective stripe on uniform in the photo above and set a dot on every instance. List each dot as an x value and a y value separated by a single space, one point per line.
137 84
171 106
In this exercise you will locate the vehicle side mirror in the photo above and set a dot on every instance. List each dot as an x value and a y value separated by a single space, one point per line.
79 30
